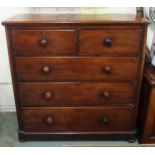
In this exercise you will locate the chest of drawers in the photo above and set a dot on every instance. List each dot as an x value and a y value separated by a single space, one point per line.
76 76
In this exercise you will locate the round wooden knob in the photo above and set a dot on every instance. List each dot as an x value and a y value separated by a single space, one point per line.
105 94
104 120
107 42
48 95
43 42
46 69
49 120
107 69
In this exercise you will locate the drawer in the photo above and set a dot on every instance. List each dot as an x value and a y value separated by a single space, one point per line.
44 42
76 68
77 119
75 94
108 41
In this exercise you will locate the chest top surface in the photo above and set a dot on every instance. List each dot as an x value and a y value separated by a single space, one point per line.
26 19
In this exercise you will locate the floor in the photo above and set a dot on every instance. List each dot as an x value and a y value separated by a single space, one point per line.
8 136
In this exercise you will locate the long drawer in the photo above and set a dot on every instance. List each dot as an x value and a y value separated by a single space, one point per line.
77 119
59 94
76 68
44 42
108 41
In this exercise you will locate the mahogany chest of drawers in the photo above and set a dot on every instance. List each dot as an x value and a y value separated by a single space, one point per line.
76 76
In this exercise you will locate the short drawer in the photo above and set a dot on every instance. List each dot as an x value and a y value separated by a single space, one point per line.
108 41
44 42
76 68
77 119
75 94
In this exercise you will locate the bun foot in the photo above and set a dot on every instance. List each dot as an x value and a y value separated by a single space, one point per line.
131 140
21 140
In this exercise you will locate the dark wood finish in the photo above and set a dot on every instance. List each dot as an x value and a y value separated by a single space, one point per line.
141 68
77 119
150 74
77 68
75 94
63 19
13 75
80 135
105 41
147 108
72 82
44 42
49 120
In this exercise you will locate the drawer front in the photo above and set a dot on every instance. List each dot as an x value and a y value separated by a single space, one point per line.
44 42
76 69
75 94
77 119
110 41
